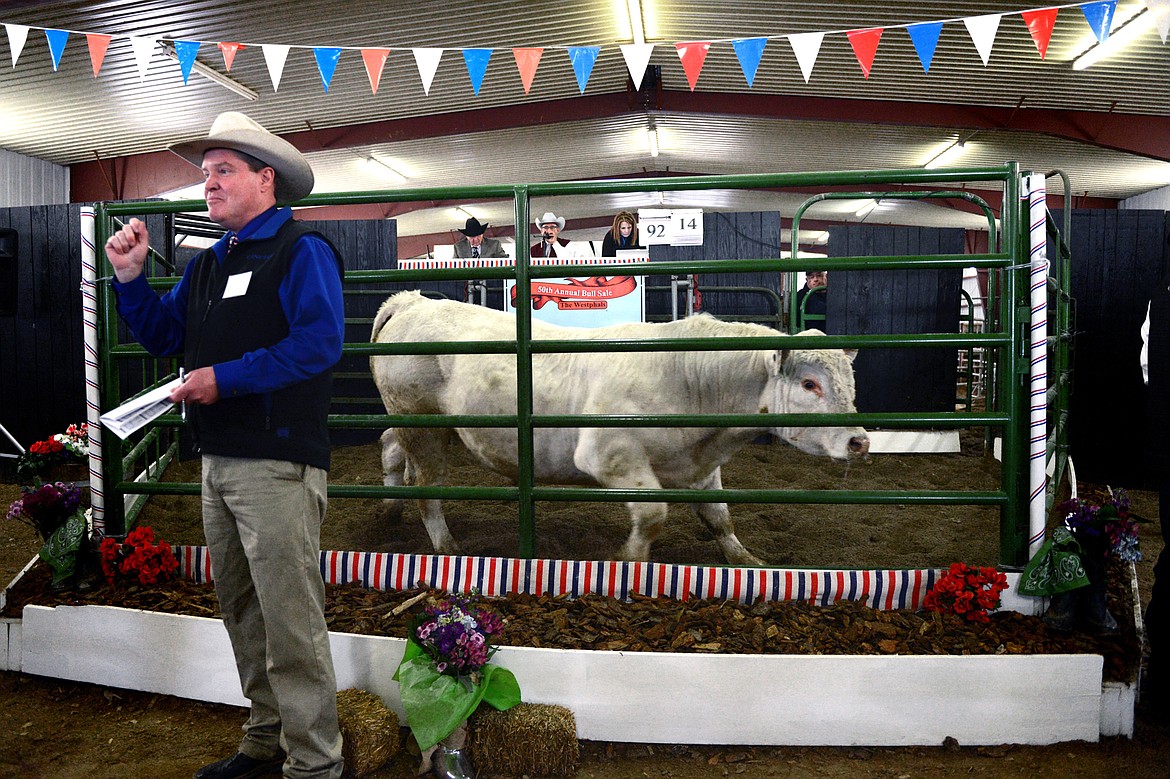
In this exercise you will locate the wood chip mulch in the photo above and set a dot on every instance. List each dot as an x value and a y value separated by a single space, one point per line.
647 624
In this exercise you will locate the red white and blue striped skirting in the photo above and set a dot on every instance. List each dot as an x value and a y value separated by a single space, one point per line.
493 576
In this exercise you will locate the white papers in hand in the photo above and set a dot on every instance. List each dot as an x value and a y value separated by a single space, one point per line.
133 414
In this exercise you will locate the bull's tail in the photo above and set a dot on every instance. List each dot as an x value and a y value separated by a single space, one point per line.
392 305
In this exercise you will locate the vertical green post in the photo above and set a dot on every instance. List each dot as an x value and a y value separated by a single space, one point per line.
525 460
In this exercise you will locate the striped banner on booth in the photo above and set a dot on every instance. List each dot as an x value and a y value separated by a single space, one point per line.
494 576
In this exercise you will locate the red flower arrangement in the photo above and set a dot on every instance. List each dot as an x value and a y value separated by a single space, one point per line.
137 559
967 591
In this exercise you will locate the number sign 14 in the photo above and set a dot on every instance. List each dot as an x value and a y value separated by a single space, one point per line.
681 227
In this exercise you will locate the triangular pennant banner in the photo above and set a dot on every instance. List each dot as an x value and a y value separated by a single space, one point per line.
17 35
982 30
526 62
229 54
749 51
375 60
1040 24
57 39
925 38
427 61
693 54
326 63
274 57
1161 11
865 43
98 44
143 51
477 62
583 58
1100 17
186 51
806 46
637 57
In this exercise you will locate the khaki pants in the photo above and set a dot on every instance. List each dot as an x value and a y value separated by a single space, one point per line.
262 519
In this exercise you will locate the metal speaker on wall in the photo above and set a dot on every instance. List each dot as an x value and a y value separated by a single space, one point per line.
8 253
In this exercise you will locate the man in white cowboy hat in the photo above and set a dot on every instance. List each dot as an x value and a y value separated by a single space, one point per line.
474 244
551 244
259 321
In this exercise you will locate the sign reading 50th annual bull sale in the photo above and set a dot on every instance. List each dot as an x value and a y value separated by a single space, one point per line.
591 301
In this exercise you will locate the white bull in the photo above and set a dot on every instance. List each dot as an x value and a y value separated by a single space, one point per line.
705 382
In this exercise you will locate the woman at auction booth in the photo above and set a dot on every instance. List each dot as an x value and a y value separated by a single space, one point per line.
624 235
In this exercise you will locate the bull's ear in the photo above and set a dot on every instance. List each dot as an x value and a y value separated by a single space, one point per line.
851 354
777 359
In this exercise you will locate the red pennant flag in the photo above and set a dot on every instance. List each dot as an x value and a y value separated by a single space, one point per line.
375 60
526 62
229 53
865 43
98 44
693 54
1040 24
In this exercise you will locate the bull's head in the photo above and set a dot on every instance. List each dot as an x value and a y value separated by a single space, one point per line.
816 381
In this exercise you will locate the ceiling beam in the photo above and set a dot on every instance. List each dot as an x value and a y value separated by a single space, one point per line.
145 175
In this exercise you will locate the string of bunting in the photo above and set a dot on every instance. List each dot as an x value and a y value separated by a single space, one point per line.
692 54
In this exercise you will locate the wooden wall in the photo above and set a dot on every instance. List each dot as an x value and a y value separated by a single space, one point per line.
870 302
41 387
725 237
1117 257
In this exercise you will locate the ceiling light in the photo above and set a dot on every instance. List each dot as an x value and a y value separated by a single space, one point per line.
213 75
947 155
1118 40
381 168
653 135
634 8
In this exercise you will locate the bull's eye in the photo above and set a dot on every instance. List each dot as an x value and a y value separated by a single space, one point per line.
810 385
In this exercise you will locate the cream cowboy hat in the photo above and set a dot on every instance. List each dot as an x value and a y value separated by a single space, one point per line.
551 218
233 130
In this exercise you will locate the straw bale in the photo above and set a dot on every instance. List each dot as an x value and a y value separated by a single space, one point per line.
530 738
369 731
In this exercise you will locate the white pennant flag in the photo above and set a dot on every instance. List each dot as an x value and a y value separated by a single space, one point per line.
637 56
143 51
17 35
982 30
1161 11
274 57
427 61
806 46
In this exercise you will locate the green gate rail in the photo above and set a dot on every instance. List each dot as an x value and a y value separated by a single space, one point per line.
1006 344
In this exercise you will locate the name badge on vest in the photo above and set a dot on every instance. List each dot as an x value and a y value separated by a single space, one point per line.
237 285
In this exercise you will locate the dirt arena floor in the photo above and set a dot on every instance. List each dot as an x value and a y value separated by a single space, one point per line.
63 729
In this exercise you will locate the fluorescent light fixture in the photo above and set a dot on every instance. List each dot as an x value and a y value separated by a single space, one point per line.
652 133
1117 40
634 8
213 75
866 207
947 155
379 167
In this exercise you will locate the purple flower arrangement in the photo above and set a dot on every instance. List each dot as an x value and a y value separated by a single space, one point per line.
1108 525
457 634
46 507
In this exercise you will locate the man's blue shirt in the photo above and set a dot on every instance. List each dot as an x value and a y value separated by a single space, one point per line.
310 296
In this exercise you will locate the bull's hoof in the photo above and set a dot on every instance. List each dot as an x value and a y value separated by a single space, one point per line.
634 553
448 547
747 559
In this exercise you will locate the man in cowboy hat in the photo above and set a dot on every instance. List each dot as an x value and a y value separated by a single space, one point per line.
259 321
473 244
550 226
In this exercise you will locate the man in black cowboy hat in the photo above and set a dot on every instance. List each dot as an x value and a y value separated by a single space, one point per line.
473 244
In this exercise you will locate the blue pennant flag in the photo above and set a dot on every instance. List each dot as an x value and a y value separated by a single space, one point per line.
583 58
925 37
186 51
477 62
749 51
326 63
57 40
1100 17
